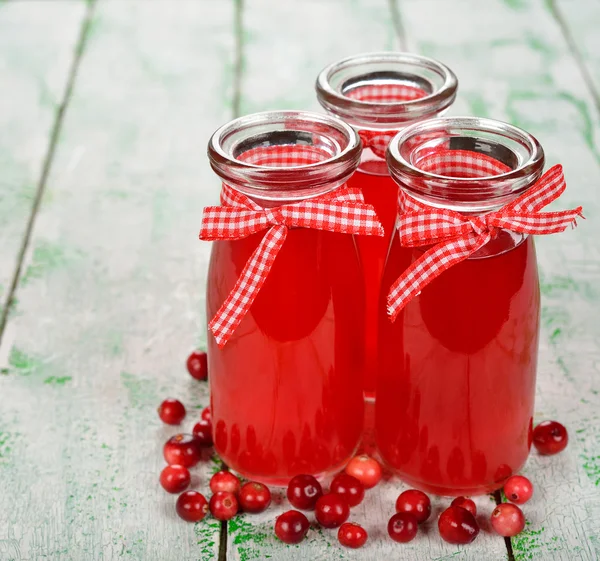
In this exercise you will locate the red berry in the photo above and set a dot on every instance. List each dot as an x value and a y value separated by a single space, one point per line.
303 492
550 437
192 506
352 535
331 510
197 365
224 481
175 479
182 449
254 497
518 489
465 503
366 469
348 487
171 411
508 520
223 505
402 527
203 432
415 502
291 527
205 415
457 525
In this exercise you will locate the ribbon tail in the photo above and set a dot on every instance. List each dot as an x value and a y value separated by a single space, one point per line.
237 304
429 266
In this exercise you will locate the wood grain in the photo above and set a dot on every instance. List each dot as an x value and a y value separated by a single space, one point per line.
34 63
112 300
513 64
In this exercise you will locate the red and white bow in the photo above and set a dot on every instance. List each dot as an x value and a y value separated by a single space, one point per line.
456 236
378 141
342 210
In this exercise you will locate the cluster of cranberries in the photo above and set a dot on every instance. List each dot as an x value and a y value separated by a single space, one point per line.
457 524
332 509
184 451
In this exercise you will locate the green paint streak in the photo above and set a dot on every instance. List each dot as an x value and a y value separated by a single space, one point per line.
141 392
477 104
5 443
58 380
23 363
47 257
591 460
250 539
525 544
516 4
579 117
206 532
114 343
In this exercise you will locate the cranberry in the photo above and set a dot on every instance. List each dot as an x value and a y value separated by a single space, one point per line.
197 365
415 502
182 449
402 527
352 535
457 525
171 411
205 415
254 497
224 481
223 505
366 469
303 492
291 527
203 432
331 510
550 437
508 520
348 487
518 489
192 506
175 479
465 503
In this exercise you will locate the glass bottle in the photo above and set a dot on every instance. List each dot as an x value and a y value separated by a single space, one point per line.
286 389
379 94
458 365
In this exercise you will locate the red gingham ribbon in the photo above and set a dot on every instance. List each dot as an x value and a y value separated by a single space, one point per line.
343 210
455 236
378 141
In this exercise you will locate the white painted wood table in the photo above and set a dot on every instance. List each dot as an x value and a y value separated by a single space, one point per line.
105 110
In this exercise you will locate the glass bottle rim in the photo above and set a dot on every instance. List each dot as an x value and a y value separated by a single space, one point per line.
336 80
335 138
521 151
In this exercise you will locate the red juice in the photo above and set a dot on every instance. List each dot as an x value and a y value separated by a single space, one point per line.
287 387
456 385
380 191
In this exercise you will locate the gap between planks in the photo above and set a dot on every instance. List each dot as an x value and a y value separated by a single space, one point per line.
47 164
238 71
571 43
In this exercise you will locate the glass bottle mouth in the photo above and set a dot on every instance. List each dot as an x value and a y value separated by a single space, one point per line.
430 161
431 88
284 154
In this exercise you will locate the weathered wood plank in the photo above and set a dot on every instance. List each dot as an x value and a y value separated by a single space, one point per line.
579 20
112 299
287 44
514 64
34 63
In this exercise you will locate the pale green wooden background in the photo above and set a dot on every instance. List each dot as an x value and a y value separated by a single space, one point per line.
105 110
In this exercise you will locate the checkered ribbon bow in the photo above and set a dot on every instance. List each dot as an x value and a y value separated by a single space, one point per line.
378 141
342 210
456 237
